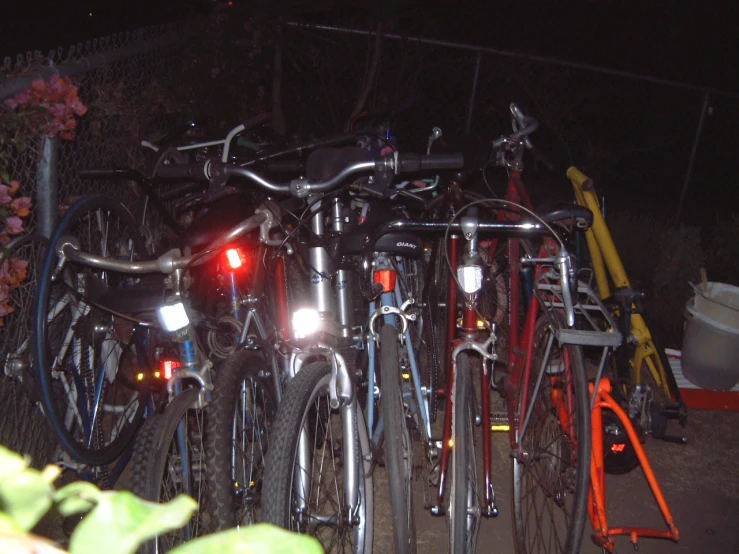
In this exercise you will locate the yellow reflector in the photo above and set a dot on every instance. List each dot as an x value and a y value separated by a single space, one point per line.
406 375
140 377
451 443
502 427
157 374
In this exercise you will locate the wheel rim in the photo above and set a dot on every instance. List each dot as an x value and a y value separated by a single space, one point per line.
545 473
249 440
88 366
319 509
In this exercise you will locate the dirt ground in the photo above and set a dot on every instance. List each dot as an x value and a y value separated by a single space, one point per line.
700 481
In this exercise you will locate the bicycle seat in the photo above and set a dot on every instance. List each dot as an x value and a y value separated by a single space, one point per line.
552 212
400 243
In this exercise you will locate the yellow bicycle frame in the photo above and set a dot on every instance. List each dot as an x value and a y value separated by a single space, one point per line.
603 254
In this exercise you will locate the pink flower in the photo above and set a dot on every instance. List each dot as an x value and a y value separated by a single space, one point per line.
5 197
77 107
57 109
19 265
14 225
22 206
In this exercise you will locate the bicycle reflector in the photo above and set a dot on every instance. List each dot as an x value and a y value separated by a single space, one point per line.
173 317
470 278
387 277
166 367
619 456
305 322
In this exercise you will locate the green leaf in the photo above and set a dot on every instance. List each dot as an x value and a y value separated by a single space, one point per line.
10 462
7 525
24 496
76 497
262 538
5 176
127 522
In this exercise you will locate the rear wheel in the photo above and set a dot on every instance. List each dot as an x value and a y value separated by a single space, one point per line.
551 471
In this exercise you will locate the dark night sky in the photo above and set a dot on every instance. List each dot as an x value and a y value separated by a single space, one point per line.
687 40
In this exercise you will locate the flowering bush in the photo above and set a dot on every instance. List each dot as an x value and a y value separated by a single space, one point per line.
48 108
52 105
12 270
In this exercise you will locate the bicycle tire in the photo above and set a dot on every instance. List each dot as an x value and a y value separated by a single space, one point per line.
305 402
104 226
237 422
157 471
550 477
398 456
435 309
463 511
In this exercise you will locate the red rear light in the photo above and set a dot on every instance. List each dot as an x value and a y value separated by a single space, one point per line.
387 278
167 366
618 447
235 258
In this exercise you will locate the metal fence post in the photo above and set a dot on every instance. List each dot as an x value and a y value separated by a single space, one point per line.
689 174
473 92
47 186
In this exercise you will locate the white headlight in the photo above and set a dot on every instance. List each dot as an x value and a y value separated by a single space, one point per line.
305 322
470 277
173 316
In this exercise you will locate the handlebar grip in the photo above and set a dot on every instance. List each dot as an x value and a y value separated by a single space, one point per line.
113 173
408 163
197 171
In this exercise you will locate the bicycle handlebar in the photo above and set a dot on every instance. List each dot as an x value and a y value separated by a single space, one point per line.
69 248
395 163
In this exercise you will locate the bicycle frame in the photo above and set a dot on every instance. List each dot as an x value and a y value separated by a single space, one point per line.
607 263
597 497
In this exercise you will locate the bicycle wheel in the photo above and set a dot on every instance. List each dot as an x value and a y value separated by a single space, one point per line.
435 310
168 460
87 361
306 427
551 473
237 423
463 512
398 458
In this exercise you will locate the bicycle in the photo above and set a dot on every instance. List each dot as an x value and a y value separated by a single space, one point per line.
169 455
643 379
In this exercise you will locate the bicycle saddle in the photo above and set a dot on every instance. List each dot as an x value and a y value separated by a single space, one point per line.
552 212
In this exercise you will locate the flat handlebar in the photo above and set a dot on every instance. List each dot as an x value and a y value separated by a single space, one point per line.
395 163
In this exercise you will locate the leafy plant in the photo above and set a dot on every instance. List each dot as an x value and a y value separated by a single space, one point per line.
117 522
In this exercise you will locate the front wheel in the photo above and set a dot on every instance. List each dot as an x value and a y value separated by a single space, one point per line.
237 425
169 460
397 443
304 477
551 472
87 358
464 507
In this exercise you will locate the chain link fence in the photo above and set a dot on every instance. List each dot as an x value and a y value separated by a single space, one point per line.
119 78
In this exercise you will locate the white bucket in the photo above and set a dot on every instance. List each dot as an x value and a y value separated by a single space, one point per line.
710 357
